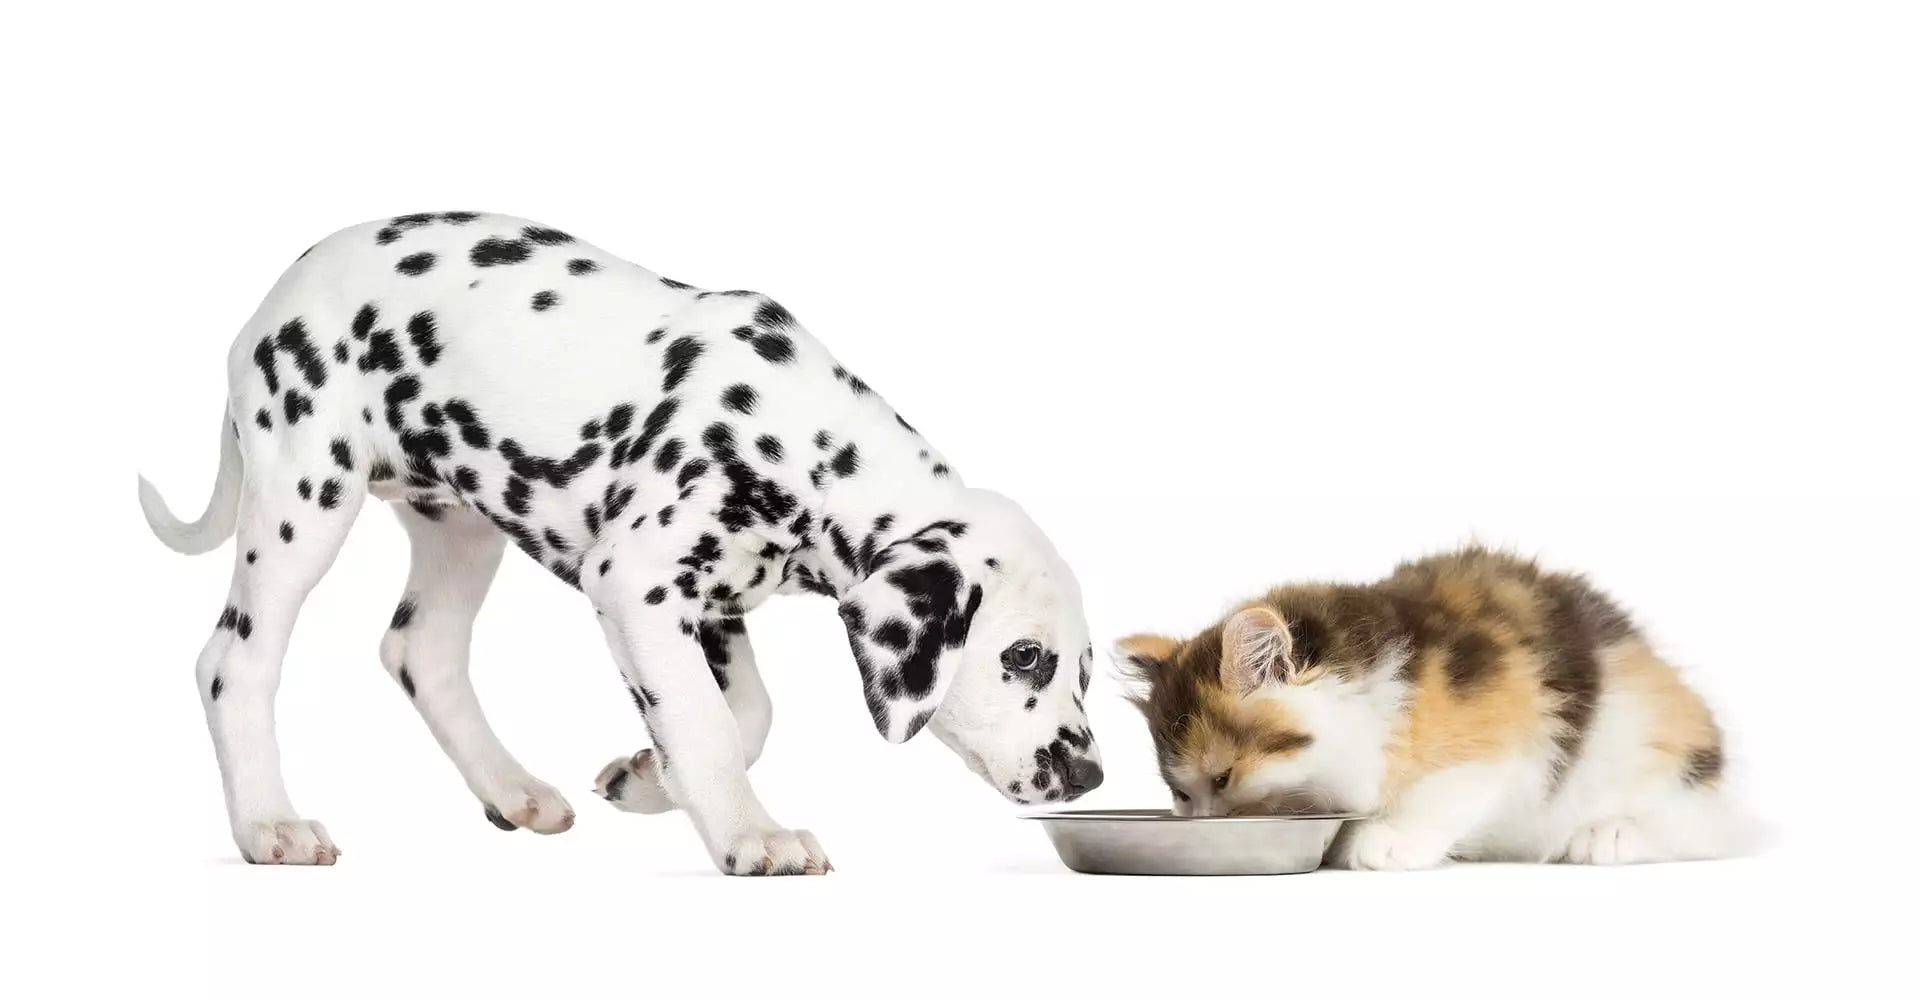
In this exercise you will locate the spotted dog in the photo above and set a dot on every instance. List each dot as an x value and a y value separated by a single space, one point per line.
678 455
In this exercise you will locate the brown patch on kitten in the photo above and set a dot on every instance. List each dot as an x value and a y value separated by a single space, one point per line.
1681 728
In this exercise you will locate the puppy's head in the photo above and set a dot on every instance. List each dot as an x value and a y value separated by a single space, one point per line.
972 627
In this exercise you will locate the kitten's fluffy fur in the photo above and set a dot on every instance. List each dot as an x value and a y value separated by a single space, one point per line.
1472 704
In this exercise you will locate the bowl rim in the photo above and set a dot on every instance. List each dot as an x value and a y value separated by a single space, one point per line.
1167 816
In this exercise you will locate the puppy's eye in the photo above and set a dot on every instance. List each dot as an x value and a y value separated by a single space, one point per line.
1219 782
1182 796
1021 655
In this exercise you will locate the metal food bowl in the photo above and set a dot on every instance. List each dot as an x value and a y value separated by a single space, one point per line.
1156 842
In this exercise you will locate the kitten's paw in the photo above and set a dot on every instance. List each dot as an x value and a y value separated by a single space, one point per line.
775 852
1375 846
532 805
1608 842
285 842
633 784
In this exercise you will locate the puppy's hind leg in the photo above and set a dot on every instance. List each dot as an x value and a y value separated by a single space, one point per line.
290 529
634 783
455 555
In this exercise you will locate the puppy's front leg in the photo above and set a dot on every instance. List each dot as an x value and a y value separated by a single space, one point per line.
696 742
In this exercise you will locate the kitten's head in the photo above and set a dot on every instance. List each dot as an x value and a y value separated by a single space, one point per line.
1261 714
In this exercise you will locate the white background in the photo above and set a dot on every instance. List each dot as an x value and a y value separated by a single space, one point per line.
1224 296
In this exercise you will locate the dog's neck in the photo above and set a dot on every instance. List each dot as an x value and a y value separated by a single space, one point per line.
892 496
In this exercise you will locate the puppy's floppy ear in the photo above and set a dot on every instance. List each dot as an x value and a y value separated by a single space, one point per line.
1256 648
907 622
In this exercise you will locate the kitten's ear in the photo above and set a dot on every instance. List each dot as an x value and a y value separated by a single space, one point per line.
1256 648
1145 658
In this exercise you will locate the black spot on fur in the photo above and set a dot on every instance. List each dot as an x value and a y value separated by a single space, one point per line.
494 251
846 461
718 438
286 531
305 489
740 398
892 634
657 595
664 515
213 690
678 363
459 218
421 330
330 494
494 817
253 555
676 285
263 359
383 353
363 321
406 682
581 265
772 315
297 406
416 263
340 352
822 440
775 347
692 471
402 615
619 419
518 496
545 300
669 456
264 419
293 340
769 447
342 454
546 237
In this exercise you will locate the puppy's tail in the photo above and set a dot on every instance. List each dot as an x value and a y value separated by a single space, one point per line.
223 508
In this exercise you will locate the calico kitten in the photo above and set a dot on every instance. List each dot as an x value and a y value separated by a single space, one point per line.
1472 704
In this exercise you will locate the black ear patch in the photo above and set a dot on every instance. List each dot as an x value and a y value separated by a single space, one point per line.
898 646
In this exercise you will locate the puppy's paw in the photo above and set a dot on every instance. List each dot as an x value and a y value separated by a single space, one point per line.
1609 842
633 784
1376 846
532 805
285 842
775 851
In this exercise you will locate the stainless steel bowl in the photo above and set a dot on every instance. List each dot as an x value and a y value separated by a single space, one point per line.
1156 842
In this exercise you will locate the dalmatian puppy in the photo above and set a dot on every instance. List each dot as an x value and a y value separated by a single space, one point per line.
677 455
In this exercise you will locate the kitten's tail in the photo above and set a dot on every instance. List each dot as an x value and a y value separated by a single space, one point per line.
216 523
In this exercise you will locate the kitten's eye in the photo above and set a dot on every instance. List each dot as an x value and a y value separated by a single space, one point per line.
1181 796
1021 655
1219 782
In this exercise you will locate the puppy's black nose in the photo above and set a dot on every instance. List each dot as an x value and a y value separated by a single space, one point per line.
1083 776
